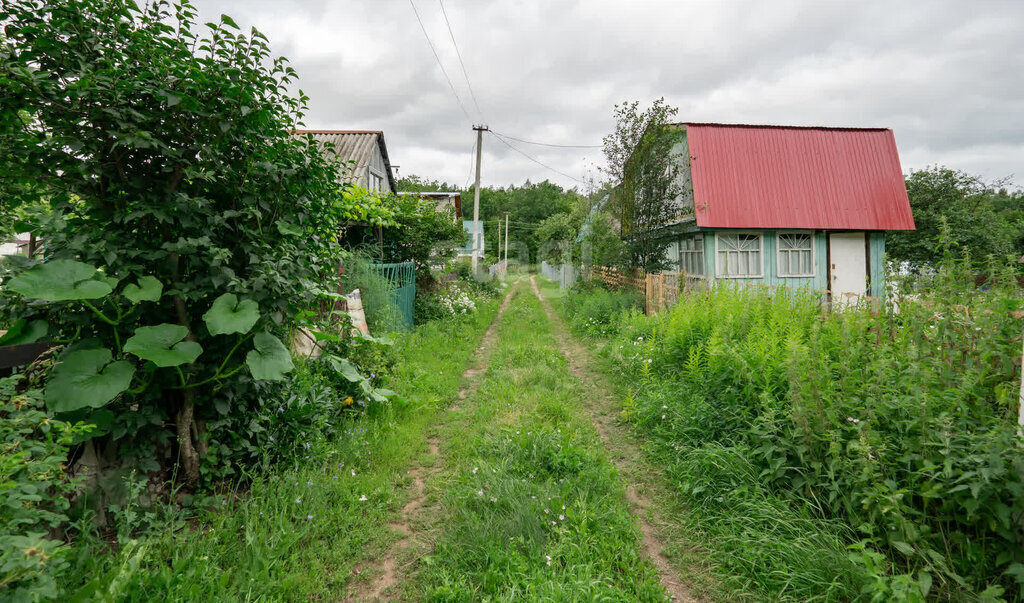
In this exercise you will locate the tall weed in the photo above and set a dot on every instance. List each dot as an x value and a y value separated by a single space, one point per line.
890 427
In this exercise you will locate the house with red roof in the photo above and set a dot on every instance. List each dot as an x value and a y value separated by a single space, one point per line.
788 206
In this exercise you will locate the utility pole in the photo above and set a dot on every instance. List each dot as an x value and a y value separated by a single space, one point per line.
476 197
499 245
506 241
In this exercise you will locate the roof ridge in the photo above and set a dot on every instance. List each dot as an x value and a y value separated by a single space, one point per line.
782 127
337 131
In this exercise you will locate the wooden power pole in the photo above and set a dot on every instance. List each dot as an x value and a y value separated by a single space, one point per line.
506 241
476 197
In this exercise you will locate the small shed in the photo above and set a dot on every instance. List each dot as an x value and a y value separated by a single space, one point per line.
363 155
788 206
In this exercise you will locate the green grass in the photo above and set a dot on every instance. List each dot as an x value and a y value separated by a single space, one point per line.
530 506
299 532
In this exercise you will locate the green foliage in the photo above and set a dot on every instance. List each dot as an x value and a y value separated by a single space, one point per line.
163 345
227 315
983 219
892 429
269 359
424 235
87 378
165 156
34 492
594 310
644 163
61 280
527 205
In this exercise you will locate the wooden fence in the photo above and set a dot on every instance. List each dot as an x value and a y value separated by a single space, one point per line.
660 290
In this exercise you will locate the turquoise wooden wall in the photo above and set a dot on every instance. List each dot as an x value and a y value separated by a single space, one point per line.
876 244
819 281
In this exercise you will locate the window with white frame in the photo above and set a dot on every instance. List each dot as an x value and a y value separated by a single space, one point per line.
739 255
691 255
795 254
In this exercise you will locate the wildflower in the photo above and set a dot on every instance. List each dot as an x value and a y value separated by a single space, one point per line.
494 500
348 401
334 477
309 517
279 409
362 498
307 445
353 473
479 492
223 502
474 470
309 483
561 518
271 438
853 420
298 501
663 416
548 558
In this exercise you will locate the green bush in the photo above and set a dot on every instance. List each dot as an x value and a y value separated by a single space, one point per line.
34 492
594 310
895 425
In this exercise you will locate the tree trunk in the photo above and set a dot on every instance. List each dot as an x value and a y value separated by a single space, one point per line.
188 453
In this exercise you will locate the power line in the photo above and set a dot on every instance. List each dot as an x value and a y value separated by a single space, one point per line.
438 59
537 161
463 65
560 146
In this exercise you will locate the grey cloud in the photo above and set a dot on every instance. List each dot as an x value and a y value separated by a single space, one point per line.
946 76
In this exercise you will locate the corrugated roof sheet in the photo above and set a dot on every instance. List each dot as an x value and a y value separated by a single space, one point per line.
797 177
355 146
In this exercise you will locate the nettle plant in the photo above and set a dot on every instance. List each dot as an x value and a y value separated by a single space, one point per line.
91 375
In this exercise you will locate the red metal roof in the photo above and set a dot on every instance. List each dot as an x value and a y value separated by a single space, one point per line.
797 177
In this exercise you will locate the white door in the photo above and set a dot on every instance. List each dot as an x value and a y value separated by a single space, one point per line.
848 272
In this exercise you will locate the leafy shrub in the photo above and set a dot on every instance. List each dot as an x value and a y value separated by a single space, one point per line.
897 421
163 167
34 492
594 310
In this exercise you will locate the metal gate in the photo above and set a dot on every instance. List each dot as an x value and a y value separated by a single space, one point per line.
402 277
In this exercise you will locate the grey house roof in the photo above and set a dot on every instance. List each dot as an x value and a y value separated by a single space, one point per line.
355 146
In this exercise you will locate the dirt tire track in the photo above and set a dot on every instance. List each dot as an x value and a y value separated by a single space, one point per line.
650 545
387 576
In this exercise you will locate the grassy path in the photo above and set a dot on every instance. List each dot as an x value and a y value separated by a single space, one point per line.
641 484
407 526
526 504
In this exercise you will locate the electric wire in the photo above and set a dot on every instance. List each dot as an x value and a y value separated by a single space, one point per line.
560 146
537 161
439 64
461 64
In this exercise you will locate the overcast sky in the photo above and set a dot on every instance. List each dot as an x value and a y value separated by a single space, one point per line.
947 77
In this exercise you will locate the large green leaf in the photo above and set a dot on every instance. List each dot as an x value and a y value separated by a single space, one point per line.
148 289
86 378
25 332
163 345
61 280
271 360
228 315
345 368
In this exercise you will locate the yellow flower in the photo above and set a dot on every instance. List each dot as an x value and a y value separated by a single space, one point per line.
348 401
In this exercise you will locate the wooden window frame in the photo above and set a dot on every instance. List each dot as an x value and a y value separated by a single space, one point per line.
779 250
718 257
698 251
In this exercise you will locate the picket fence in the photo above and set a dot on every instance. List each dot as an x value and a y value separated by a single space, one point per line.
661 290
